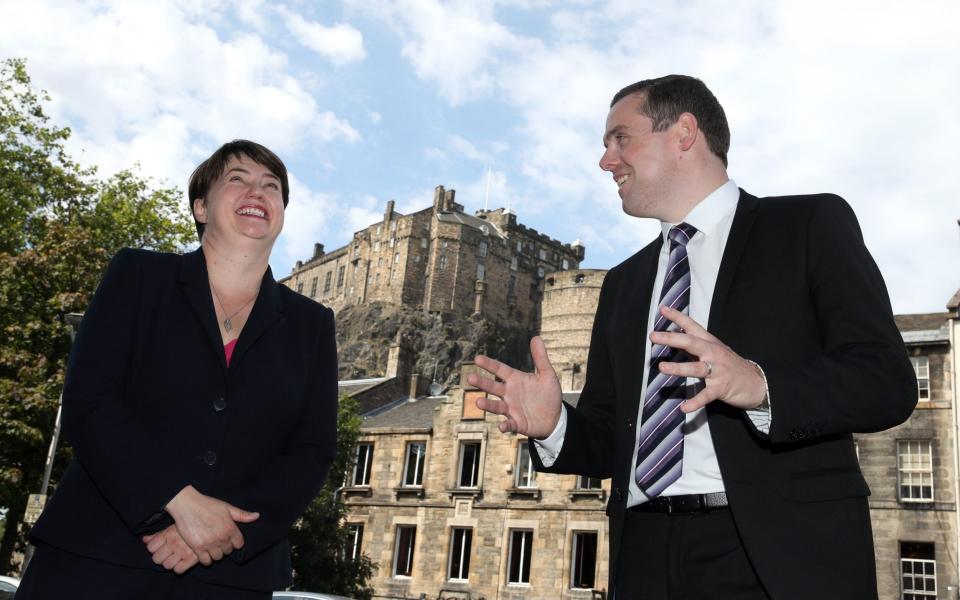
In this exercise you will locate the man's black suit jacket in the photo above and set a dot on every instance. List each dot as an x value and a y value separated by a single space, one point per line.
797 292
151 406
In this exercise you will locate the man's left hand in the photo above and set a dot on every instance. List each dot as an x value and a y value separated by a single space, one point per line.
726 375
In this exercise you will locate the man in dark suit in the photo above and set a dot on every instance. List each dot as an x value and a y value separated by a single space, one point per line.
730 361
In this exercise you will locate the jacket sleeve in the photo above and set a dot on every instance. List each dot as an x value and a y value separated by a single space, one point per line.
862 381
281 491
122 457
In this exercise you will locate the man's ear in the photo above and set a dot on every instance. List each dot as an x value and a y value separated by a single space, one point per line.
687 131
200 210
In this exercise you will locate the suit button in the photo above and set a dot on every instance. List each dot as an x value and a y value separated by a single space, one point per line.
210 457
219 404
629 423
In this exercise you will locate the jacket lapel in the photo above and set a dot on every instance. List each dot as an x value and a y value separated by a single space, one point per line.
736 243
267 310
639 296
196 287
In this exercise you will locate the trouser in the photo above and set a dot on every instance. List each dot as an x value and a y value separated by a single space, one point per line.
695 556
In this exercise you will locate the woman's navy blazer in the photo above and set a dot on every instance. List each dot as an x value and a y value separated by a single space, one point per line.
151 406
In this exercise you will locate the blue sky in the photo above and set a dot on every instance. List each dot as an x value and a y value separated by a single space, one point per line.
372 100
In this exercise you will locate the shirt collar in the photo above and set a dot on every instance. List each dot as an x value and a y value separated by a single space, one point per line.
708 213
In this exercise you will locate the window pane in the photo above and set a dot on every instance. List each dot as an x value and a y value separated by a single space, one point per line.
469 464
354 541
413 471
588 483
520 547
361 471
460 542
403 559
584 560
526 475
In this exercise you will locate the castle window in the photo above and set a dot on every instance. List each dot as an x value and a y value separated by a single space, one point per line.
313 288
921 366
513 263
327 281
340 273
526 475
565 264
393 242
481 272
396 258
377 279
469 468
413 469
393 226
460 541
380 261
578 278
354 541
543 254
416 258
918 570
540 271
403 553
378 229
519 246
364 464
442 263
482 250
423 243
299 287
583 561
521 542
376 246
915 470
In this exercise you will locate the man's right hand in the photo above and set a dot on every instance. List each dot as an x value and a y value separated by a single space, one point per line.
208 525
530 402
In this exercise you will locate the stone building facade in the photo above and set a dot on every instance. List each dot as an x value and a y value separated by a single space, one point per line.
912 470
449 507
441 259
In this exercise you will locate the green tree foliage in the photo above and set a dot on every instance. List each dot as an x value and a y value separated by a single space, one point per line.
61 226
319 540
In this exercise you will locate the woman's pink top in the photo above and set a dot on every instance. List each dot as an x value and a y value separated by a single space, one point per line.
228 349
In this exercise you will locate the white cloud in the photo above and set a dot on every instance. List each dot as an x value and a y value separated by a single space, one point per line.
340 43
457 45
134 77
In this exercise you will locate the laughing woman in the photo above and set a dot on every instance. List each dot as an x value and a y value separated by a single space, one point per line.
201 402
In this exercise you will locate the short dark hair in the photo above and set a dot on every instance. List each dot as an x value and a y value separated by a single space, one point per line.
209 170
664 99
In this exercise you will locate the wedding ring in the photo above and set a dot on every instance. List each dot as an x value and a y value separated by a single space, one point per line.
709 369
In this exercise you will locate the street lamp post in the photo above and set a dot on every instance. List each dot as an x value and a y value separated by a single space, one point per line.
73 320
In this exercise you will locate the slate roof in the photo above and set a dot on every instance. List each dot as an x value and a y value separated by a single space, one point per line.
924 328
416 415
352 387
470 220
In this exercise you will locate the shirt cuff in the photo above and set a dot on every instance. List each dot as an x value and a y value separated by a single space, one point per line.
761 416
549 447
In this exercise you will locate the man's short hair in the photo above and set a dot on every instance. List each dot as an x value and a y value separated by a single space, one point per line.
211 169
664 99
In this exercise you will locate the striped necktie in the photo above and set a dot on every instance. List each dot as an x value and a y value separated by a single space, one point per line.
660 453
